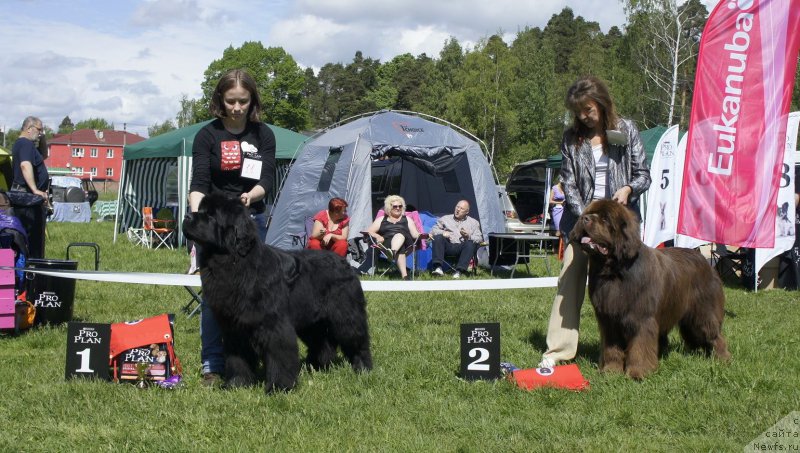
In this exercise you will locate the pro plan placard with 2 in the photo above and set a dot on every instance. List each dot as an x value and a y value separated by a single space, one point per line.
480 351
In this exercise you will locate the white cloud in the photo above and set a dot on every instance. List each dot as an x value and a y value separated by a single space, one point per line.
153 13
131 61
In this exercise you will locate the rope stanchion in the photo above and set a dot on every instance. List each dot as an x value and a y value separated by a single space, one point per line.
147 278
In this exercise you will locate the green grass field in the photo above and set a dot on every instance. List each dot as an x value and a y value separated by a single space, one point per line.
413 399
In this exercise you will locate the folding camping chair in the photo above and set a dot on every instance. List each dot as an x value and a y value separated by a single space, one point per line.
379 250
301 237
158 232
728 264
137 236
450 261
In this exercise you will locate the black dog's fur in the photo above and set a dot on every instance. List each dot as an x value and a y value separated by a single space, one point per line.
264 299
639 294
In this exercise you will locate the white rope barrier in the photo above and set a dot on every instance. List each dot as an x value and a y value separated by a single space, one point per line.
147 278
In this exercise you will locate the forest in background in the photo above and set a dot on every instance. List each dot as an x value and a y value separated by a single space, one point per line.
510 95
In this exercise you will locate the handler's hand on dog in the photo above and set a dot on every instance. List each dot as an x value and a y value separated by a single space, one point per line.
621 195
245 197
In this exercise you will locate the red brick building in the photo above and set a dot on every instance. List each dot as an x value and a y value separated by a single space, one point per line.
90 154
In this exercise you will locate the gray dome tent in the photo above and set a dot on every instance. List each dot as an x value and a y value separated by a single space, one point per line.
438 167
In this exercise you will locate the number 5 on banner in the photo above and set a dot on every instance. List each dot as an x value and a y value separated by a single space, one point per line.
87 350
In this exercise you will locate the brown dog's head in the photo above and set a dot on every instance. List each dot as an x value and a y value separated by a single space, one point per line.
221 225
609 229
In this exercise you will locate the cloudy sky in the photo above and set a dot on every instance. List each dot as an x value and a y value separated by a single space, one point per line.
130 61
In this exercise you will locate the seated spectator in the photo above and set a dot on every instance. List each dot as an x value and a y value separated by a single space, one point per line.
455 235
331 228
393 233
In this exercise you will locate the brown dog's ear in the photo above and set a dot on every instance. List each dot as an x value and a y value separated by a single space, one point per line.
628 227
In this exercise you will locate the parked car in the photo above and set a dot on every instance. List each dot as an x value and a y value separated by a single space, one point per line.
513 224
527 190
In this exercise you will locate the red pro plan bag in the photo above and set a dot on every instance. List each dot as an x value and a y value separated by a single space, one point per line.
149 341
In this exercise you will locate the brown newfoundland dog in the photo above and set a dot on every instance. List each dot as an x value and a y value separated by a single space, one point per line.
264 299
639 294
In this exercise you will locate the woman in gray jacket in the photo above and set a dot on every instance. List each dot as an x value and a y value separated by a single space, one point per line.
602 157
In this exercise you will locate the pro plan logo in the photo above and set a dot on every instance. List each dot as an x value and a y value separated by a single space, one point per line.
48 299
407 130
667 150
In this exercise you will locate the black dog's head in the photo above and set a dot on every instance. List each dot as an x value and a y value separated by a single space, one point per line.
609 229
221 225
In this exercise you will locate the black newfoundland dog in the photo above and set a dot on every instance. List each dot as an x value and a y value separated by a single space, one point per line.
639 294
264 299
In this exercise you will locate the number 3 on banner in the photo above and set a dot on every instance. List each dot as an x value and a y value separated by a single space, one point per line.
478 365
85 368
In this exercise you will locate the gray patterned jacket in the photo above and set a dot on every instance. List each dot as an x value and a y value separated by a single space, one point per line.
627 165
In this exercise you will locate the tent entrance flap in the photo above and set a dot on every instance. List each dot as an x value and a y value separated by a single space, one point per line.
439 191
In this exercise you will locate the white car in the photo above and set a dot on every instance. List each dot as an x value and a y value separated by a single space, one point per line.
513 223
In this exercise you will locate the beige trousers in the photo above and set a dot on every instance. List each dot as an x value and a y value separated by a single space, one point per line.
565 316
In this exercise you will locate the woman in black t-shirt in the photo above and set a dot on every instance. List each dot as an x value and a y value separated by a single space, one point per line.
234 154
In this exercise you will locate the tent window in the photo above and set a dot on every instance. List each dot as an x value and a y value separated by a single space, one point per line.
171 185
328 169
450 181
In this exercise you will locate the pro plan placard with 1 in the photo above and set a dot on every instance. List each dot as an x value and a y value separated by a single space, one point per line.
480 351
87 350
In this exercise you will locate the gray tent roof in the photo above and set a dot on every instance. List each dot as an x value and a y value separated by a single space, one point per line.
347 151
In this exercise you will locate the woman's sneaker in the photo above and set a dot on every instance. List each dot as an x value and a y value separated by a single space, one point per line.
546 363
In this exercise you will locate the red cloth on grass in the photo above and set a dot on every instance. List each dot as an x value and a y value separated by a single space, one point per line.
561 376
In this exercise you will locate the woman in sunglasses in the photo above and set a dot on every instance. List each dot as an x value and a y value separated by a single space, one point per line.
393 233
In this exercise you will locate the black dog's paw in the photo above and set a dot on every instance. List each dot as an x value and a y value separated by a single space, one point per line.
275 387
239 381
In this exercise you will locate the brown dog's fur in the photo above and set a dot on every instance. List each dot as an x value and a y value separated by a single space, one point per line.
639 294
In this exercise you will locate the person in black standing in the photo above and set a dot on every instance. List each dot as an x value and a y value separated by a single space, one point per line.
235 155
31 177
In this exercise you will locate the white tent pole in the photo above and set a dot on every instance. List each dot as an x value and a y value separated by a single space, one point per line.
548 182
182 190
755 275
119 197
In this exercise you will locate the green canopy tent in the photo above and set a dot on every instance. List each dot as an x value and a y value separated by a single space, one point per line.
156 172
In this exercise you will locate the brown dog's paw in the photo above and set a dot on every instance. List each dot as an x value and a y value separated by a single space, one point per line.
637 374
612 359
613 366
721 352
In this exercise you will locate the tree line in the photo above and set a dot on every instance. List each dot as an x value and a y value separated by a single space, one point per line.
511 95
